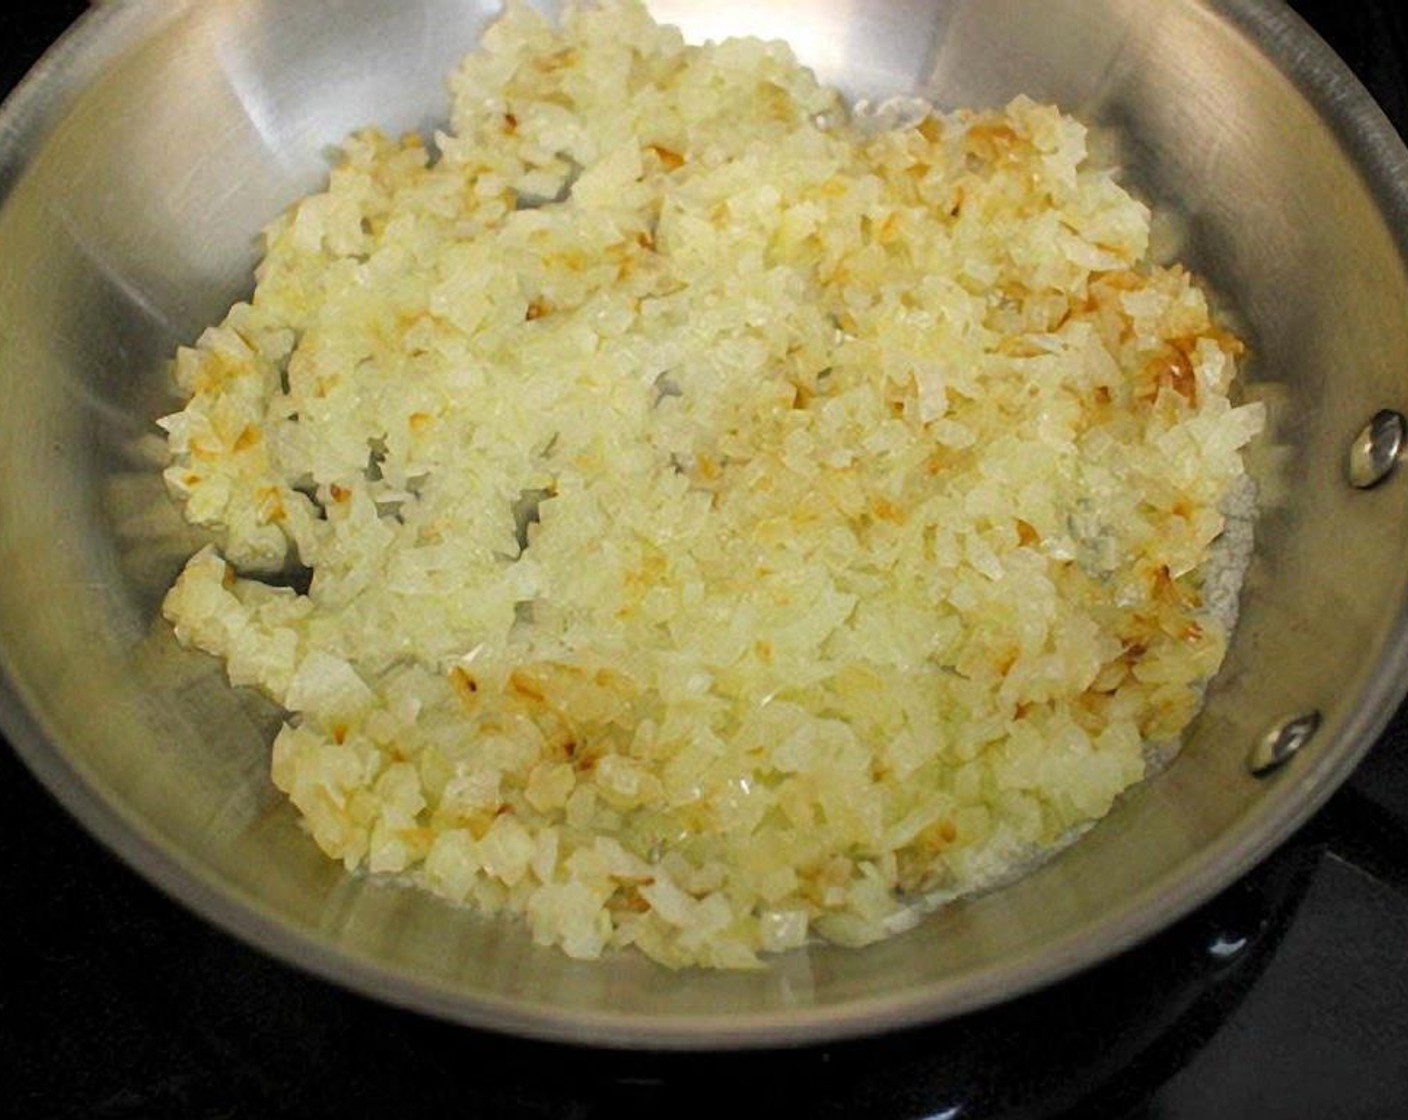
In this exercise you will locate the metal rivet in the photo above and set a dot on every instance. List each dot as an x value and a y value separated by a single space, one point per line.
1280 744
1375 451
1225 946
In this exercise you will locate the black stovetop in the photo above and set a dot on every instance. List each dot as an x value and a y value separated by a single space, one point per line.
1285 997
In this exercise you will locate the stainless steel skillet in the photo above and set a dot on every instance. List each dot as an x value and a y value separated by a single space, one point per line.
139 160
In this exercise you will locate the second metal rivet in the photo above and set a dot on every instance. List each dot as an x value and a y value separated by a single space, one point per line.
1279 745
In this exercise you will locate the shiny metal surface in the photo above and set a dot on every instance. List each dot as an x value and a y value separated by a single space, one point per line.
136 166
1374 454
1282 743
